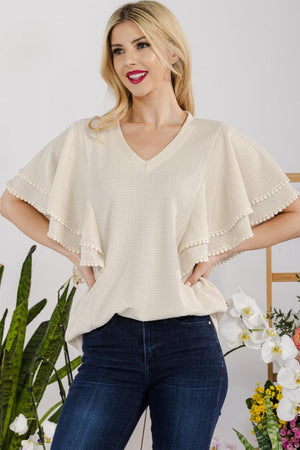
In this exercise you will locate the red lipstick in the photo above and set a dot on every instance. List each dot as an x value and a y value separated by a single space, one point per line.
137 78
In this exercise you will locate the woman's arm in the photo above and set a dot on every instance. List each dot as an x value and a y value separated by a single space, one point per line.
282 227
32 223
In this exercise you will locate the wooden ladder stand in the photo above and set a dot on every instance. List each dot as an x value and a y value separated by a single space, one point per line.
276 277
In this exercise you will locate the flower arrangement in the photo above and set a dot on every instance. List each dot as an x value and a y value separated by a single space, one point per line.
274 409
257 403
289 430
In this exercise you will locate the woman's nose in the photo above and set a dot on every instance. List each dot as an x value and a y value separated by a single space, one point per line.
130 57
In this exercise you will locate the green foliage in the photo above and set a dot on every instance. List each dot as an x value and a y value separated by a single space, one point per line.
18 365
272 427
268 438
284 323
244 441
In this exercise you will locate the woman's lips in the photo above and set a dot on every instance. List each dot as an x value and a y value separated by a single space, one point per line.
138 80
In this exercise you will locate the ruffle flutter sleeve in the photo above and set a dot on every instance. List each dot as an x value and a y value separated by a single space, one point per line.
242 186
56 182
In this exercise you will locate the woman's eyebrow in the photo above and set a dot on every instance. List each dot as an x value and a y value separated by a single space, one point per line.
134 40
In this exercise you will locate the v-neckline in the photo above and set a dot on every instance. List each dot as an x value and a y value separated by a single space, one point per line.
157 159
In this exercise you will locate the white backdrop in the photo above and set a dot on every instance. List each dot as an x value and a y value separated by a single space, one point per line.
245 60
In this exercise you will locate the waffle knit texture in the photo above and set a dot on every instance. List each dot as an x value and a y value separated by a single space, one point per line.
143 225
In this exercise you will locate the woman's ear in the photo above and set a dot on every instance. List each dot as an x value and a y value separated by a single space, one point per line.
174 59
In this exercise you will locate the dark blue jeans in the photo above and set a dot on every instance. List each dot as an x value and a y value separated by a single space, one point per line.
175 366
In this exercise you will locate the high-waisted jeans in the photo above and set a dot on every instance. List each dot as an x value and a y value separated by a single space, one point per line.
175 366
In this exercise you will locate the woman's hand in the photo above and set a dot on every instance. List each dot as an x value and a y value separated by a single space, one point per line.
203 269
86 272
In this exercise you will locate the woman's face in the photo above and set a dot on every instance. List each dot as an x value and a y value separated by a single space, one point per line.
131 56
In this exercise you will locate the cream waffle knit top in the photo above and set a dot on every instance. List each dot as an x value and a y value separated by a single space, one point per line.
143 225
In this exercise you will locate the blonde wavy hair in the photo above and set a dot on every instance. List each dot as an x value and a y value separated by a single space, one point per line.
164 32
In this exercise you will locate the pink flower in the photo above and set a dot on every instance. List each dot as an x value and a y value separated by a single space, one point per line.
216 443
283 432
297 433
296 338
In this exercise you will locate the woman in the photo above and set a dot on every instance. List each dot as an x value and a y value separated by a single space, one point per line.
145 201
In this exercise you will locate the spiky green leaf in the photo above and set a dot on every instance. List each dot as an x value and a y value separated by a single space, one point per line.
244 441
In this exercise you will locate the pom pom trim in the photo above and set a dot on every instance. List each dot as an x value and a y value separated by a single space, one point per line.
42 210
51 236
253 223
32 183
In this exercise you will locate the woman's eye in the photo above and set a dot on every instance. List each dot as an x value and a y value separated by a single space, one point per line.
139 43
143 43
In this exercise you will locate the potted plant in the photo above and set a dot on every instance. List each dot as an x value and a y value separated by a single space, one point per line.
25 372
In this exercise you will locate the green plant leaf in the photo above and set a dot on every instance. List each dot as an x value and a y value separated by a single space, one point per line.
13 360
18 365
264 426
272 426
249 402
263 440
30 353
50 349
25 278
54 418
2 325
5 384
35 310
16 333
244 441
62 372
1 272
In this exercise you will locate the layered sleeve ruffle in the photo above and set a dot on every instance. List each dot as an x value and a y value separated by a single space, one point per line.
56 183
242 187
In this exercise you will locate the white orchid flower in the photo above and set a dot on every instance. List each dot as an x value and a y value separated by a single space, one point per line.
259 335
236 333
289 405
280 349
33 443
27 444
19 425
254 329
246 308
49 429
289 375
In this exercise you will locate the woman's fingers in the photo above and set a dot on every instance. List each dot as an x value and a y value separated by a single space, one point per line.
88 275
201 269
